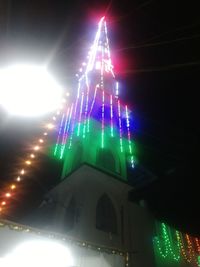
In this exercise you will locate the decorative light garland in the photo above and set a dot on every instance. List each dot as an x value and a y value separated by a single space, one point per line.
11 189
188 257
111 116
120 126
169 248
86 110
95 92
129 137
197 244
59 133
86 105
183 244
80 114
102 121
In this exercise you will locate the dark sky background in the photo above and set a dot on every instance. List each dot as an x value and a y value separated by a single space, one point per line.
155 47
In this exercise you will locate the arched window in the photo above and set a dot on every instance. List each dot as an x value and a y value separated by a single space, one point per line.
106 219
70 214
77 156
106 160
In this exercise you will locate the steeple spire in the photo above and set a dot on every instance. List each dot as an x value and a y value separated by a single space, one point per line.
100 58
96 123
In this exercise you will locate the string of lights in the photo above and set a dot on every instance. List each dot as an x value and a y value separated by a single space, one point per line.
171 249
9 192
175 245
197 244
97 102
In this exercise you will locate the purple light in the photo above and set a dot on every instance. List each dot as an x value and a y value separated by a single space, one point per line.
102 125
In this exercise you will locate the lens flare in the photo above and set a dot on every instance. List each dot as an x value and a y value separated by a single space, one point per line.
28 91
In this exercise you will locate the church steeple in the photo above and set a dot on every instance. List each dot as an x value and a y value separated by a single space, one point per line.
99 62
95 128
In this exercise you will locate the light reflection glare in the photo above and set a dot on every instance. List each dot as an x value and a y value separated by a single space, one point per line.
39 253
28 91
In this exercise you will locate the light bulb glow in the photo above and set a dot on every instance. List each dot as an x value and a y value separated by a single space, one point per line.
50 126
34 91
117 89
39 253
13 186
36 148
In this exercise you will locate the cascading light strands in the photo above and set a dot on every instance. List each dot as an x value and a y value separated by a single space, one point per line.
171 244
97 106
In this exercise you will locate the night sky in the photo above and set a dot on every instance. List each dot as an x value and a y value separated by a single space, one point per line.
155 49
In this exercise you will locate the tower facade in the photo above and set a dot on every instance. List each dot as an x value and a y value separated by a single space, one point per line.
91 202
95 128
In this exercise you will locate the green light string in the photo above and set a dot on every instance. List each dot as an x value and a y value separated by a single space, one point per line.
74 122
80 114
169 247
120 126
129 137
65 135
111 116
59 133
198 260
64 131
183 245
93 102
86 108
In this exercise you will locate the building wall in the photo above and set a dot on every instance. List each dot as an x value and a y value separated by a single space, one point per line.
135 230
141 225
87 187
